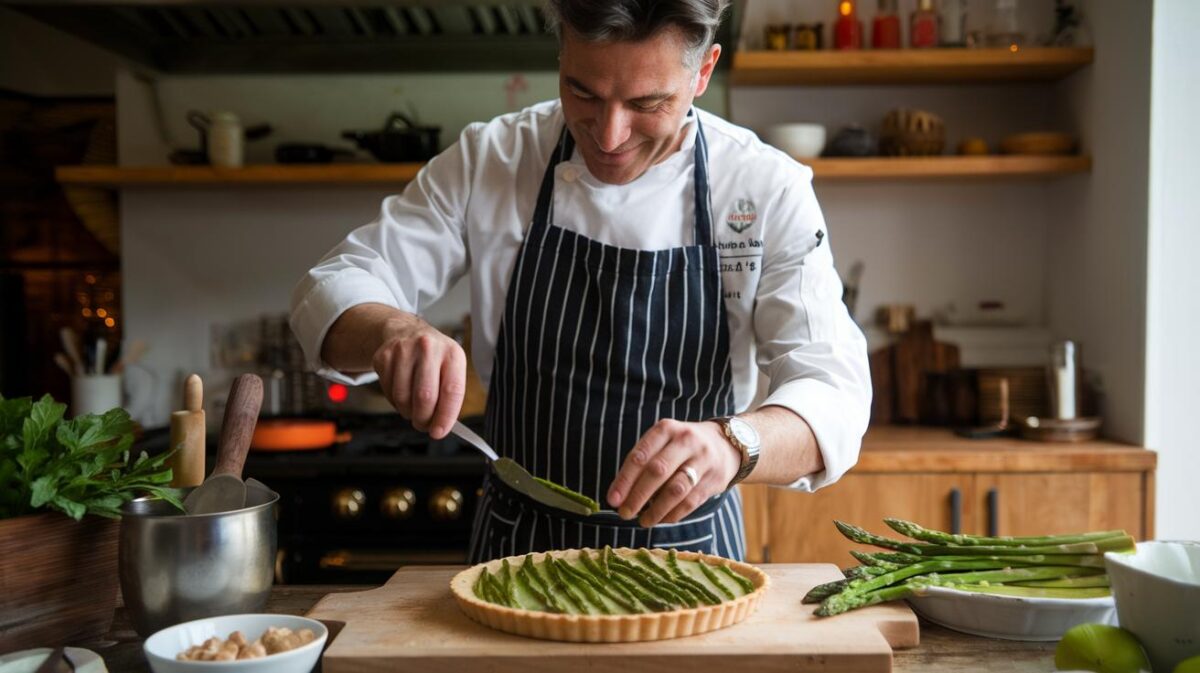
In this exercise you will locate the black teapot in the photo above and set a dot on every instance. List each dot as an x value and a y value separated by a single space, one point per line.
400 140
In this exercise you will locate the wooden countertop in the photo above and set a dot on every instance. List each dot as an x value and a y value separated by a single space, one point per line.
941 650
929 449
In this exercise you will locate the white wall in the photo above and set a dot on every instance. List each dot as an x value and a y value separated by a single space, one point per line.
1173 361
1096 279
43 61
196 259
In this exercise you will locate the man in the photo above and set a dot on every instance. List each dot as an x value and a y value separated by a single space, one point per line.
632 259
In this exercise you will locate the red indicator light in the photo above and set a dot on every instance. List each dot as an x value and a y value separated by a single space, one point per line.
337 393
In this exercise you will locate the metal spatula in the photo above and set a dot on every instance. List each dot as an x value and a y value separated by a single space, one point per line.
224 490
517 477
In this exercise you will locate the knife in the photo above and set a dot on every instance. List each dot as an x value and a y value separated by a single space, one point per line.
517 477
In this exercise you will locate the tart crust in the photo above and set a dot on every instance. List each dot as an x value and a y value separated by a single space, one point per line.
609 628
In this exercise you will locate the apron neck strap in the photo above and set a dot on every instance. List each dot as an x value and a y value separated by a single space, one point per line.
543 213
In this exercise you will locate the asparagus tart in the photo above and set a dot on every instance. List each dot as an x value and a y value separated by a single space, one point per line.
607 595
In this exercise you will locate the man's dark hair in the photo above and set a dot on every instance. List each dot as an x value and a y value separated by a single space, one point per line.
636 20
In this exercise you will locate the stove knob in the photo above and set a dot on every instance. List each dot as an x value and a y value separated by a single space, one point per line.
398 503
348 503
446 504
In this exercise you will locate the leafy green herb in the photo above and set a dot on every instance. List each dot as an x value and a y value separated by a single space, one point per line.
78 466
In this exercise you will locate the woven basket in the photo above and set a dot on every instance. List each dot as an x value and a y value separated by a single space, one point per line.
914 133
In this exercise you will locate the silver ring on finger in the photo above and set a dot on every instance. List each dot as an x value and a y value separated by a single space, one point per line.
691 474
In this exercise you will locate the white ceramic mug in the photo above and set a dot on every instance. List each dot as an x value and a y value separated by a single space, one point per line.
95 393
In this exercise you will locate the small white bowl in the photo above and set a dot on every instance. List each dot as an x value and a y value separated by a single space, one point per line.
162 647
802 141
1011 617
1158 598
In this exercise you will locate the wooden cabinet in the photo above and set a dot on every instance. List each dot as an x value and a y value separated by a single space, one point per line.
1052 503
998 487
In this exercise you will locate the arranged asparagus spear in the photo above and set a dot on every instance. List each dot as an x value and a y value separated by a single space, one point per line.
1119 542
1054 566
917 532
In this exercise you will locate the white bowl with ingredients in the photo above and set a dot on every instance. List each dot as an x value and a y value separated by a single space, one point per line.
801 141
163 647
1010 617
1158 598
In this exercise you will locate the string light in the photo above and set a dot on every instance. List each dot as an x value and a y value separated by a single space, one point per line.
109 322
100 313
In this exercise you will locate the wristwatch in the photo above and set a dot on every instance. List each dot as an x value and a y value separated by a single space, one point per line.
745 439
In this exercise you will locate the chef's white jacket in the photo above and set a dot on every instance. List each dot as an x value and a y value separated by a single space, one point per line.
468 209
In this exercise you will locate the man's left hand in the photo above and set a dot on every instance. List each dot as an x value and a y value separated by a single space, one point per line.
656 471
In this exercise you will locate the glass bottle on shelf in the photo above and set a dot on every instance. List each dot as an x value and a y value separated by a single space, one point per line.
1004 30
847 32
923 26
953 26
885 28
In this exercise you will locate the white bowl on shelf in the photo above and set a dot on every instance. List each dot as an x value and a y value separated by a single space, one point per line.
162 647
1011 617
801 141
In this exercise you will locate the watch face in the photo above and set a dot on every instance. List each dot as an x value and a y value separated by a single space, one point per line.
744 432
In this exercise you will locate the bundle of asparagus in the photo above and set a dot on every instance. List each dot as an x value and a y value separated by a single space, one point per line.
1053 566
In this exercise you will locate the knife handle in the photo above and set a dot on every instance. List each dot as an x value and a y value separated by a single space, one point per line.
237 428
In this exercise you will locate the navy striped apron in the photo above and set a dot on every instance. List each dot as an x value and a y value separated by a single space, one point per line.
596 344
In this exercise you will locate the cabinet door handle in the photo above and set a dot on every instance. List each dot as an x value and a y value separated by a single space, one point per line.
955 511
993 505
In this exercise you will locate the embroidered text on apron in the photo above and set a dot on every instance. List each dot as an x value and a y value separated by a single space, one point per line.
596 344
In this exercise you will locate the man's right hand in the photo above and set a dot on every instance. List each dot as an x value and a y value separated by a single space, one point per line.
422 372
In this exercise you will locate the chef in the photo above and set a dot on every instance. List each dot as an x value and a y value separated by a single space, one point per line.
635 265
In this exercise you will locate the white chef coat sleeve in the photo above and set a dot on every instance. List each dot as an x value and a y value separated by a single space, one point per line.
407 258
807 344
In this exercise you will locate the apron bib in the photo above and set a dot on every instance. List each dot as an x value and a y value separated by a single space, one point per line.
596 344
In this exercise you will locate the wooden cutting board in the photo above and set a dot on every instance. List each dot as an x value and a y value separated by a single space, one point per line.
413 623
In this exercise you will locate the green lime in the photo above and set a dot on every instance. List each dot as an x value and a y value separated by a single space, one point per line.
1189 665
1100 648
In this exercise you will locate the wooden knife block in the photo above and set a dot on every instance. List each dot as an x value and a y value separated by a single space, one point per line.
899 374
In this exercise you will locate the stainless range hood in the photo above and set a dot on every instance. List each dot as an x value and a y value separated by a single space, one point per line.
271 36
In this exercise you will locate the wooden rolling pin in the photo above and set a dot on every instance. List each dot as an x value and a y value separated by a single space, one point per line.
187 436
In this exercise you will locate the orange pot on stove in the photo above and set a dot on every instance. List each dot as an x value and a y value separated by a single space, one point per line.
296 435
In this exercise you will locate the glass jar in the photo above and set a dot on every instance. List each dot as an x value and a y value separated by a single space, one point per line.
1004 29
847 31
885 27
923 26
953 27
225 140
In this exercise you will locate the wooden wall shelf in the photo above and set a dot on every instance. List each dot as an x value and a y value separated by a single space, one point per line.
946 167
906 66
265 175
348 175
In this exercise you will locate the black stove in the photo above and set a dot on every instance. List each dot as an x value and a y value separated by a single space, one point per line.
356 511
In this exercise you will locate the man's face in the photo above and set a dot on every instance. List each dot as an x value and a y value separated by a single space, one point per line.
625 102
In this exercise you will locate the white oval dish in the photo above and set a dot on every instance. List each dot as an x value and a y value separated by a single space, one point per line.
1011 617
162 647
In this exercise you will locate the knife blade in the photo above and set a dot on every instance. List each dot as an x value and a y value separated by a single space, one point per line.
517 477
